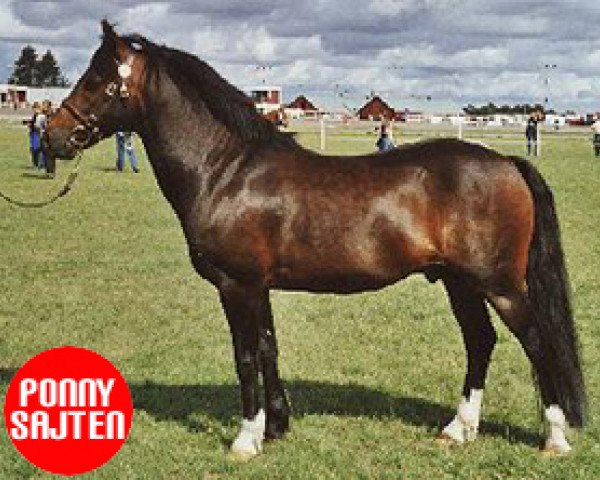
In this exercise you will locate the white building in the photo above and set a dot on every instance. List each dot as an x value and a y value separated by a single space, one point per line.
12 95
54 94
17 96
266 98
555 120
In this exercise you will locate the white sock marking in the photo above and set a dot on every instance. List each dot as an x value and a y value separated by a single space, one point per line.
249 440
557 423
465 425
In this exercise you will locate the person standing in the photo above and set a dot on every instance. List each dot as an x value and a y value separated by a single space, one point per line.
383 142
35 138
125 144
48 160
531 134
596 138
41 120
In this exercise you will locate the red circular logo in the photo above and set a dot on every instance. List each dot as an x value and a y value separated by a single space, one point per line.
68 410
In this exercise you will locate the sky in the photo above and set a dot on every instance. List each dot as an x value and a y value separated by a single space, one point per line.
338 52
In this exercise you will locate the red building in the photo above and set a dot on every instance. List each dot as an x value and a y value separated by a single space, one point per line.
376 109
302 103
302 107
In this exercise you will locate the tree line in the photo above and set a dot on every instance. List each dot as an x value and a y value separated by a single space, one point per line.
492 109
33 71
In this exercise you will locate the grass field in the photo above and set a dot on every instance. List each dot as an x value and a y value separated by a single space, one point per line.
371 377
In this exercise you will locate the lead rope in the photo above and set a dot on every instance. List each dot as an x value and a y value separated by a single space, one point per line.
61 193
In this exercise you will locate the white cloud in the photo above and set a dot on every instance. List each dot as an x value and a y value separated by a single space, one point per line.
480 58
455 50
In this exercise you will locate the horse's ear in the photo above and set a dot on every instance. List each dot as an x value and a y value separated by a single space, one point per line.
108 32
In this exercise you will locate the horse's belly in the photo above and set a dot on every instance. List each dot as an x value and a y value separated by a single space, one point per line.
330 283
341 273
346 264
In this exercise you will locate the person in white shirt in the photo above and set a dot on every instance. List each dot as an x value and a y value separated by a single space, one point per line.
596 138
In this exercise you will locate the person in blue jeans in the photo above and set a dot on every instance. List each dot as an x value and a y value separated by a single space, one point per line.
125 144
37 126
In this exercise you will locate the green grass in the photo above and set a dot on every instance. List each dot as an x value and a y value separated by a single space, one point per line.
371 377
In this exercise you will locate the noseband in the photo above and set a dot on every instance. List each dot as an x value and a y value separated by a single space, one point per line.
87 130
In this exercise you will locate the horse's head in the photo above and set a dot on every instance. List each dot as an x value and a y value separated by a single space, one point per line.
108 97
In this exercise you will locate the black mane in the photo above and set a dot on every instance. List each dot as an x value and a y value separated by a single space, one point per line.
199 82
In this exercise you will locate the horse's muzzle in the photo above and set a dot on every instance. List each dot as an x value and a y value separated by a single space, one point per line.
57 142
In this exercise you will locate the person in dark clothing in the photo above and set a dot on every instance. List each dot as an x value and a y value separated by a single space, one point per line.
35 145
531 135
49 160
383 142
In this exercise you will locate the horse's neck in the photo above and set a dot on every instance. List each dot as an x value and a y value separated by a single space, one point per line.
186 146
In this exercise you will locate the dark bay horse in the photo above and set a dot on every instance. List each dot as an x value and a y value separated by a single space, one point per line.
260 212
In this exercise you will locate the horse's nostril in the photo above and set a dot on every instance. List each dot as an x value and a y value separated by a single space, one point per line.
80 137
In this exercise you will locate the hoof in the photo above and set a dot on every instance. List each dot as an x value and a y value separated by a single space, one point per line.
271 435
245 448
446 440
276 430
555 451
248 443
241 456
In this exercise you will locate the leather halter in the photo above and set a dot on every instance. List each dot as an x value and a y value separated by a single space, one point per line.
86 126
87 129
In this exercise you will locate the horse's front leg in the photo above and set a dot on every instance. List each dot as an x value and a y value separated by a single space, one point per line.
278 410
241 306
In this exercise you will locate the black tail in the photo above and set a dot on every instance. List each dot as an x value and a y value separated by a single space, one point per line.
548 290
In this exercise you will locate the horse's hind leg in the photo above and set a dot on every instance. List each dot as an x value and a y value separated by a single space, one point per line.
480 337
513 308
278 410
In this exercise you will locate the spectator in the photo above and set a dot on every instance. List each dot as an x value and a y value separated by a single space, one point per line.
125 144
596 138
35 139
49 161
383 142
41 120
531 134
